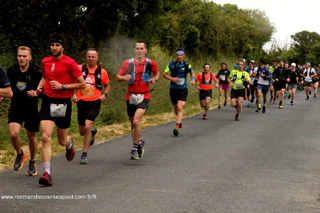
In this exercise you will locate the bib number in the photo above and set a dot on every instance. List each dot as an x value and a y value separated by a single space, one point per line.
87 92
222 77
21 85
180 82
136 99
58 110
239 85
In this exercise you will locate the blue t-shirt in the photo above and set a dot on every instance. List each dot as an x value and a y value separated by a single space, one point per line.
179 70
4 81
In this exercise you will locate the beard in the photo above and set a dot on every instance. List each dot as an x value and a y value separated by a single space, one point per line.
57 54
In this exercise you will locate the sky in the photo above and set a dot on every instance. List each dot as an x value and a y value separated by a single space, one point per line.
288 16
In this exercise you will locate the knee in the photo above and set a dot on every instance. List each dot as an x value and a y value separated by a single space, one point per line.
136 122
14 135
46 138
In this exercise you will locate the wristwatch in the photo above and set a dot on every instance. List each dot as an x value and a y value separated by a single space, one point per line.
64 86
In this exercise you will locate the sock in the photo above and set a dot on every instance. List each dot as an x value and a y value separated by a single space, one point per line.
32 161
20 155
70 145
259 105
46 167
135 146
177 125
280 103
84 154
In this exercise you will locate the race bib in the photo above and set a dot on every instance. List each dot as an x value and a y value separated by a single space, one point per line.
180 82
21 85
207 82
239 85
58 110
87 92
136 99
222 77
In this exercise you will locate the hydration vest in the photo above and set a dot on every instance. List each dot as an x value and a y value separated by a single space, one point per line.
146 71
174 72
97 74
204 79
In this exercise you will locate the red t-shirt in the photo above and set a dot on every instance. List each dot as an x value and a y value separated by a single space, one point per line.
64 70
138 86
207 78
91 93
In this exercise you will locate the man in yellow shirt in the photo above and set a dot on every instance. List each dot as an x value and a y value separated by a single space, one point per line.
238 80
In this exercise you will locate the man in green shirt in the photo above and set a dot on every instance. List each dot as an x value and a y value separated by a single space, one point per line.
238 80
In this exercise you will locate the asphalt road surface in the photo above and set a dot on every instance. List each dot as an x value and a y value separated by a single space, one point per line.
262 163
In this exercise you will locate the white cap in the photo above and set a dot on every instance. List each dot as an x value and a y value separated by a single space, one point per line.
293 64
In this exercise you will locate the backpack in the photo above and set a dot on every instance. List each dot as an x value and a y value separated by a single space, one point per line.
146 71
204 79
97 74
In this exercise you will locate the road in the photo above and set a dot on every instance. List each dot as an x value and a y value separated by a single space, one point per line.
262 163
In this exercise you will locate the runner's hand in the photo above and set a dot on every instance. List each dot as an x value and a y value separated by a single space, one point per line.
193 82
1 99
102 97
277 79
39 89
127 77
231 84
32 93
75 98
175 79
55 85
153 81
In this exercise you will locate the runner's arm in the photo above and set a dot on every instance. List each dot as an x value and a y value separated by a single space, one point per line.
6 92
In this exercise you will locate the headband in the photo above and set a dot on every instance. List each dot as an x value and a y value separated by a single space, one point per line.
180 51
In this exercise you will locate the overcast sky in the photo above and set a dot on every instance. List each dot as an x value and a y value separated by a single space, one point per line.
288 16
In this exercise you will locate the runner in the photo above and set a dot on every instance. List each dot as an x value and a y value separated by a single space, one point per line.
308 75
89 99
315 82
205 79
137 72
61 76
238 80
264 77
24 77
223 75
272 91
292 85
281 76
254 82
178 70
5 86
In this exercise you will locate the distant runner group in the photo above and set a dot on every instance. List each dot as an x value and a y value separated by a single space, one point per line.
61 81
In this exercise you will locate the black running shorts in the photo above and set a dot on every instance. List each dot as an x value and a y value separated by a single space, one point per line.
131 109
88 110
236 93
178 95
63 122
30 117
203 94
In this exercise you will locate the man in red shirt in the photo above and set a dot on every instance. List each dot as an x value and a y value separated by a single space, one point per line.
60 77
137 72
205 79
89 99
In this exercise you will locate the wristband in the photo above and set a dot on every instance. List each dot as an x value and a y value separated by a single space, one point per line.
192 79
106 94
64 86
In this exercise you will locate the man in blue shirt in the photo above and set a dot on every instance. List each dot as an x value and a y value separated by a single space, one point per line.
177 72
5 86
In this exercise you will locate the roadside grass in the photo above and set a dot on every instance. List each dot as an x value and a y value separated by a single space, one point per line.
112 121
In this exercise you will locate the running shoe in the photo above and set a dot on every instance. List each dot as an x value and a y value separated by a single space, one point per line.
291 102
181 124
141 147
280 107
134 154
84 160
258 109
204 117
249 104
307 98
219 107
176 131
32 169
70 152
310 93
45 179
289 96
315 95
264 109
225 103
237 117
94 132
18 163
